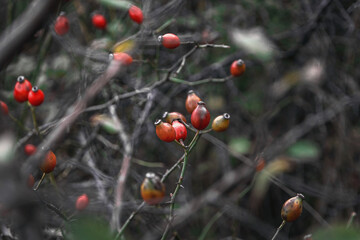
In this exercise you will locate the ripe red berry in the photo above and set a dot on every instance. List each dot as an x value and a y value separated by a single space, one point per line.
22 89
191 101
29 149
169 40
221 123
165 131
48 163
124 58
36 96
200 117
30 181
180 130
136 14
152 189
169 117
237 68
82 202
292 208
4 108
260 164
99 21
61 26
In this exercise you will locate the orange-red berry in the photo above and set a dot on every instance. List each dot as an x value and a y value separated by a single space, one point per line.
136 14
237 68
30 181
61 26
180 130
191 101
48 163
260 164
29 149
200 117
36 96
99 21
122 57
292 208
152 189
169 40
169 117
4 108
165 131
22 89
221 123
82 202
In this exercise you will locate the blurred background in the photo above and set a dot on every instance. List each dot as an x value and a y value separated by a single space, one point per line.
294 124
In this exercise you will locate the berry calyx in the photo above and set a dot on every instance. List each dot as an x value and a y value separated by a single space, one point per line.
169 40
200 117
180 130
4 108
152 189
82 202
191 101
136 14
29 149
22 89
221 123
237 68
169 117
165 131
49 163
36 96
99 21
61 25
122 57
292 208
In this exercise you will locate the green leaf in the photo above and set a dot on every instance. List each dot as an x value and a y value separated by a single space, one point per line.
337 233
116 3
240 145
89 228
304 149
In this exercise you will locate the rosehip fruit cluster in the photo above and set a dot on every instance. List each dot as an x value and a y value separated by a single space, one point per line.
23 91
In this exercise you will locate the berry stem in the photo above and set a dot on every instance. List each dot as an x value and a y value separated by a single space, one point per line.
41 179
34 119
132 215
278 230
18 122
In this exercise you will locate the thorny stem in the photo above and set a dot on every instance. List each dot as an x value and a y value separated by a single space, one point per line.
41 179
278 230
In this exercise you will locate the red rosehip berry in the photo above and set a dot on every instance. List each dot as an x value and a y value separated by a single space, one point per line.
292 208
169 40
237 68
48 163
169 117
152 189
61 26
22 89
180 130
4 108
221 123
29 149
99 21
82 202
122 57
191 101
165 131
260 164
136 14
36 96
30 181
200 117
